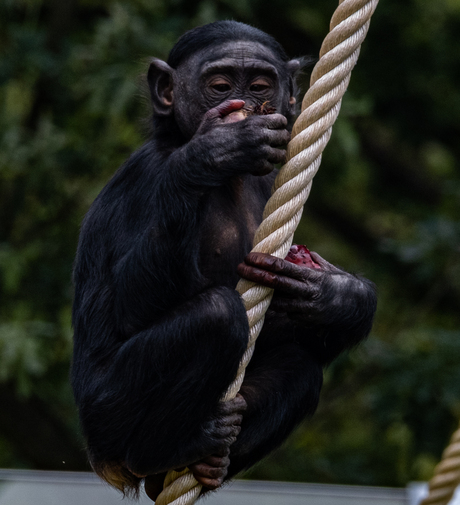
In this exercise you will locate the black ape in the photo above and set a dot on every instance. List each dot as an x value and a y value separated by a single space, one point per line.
159 327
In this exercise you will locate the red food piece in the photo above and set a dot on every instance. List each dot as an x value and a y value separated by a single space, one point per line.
300 255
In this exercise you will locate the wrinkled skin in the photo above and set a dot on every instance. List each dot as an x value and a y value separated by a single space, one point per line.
211 470
159 327
307 295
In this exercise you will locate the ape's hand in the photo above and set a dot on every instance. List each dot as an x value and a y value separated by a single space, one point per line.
211 470
310 295
236 145
219 434
223 428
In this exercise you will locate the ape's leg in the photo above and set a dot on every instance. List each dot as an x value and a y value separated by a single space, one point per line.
155 406
281 387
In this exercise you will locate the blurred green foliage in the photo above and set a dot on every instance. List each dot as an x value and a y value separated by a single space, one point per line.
385 203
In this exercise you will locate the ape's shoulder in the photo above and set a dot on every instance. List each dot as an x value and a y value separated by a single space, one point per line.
134 176
130 190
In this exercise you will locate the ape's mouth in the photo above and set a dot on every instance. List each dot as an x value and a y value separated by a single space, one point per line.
262 109
300 255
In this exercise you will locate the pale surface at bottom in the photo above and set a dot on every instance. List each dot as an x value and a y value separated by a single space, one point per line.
71 488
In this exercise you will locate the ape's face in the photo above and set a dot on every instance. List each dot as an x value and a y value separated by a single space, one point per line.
241 70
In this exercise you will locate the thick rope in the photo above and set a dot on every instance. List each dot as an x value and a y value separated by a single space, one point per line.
446 474
311 133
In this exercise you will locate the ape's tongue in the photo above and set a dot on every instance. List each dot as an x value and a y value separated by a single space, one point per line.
300 255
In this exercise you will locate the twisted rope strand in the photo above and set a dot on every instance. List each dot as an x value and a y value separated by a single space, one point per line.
311 133
446 474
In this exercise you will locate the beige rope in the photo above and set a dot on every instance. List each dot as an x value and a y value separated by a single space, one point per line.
311 133
446 474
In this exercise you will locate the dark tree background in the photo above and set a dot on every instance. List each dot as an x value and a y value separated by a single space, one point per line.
385 203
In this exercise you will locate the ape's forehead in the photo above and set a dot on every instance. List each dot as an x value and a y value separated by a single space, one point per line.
236 53
243 48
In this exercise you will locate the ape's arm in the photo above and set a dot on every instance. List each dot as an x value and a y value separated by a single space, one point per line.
315 314
326 310
150 214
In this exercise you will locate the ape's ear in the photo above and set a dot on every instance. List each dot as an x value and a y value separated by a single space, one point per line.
160 79
293 67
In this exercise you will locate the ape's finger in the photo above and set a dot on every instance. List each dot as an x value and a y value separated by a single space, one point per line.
228 106
210 476
276 138
215 461
216 114
272 121
209 483
225 435
275 155
207 471
281 266
287 285
236 405
232 420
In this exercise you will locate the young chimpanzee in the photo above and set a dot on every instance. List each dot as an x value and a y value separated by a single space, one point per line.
159 327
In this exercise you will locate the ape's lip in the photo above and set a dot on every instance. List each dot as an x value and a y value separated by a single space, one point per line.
300 255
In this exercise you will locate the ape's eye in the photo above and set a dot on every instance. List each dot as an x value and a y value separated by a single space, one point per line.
259 86
221 87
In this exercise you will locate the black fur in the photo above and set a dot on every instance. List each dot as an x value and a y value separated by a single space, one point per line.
159 328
